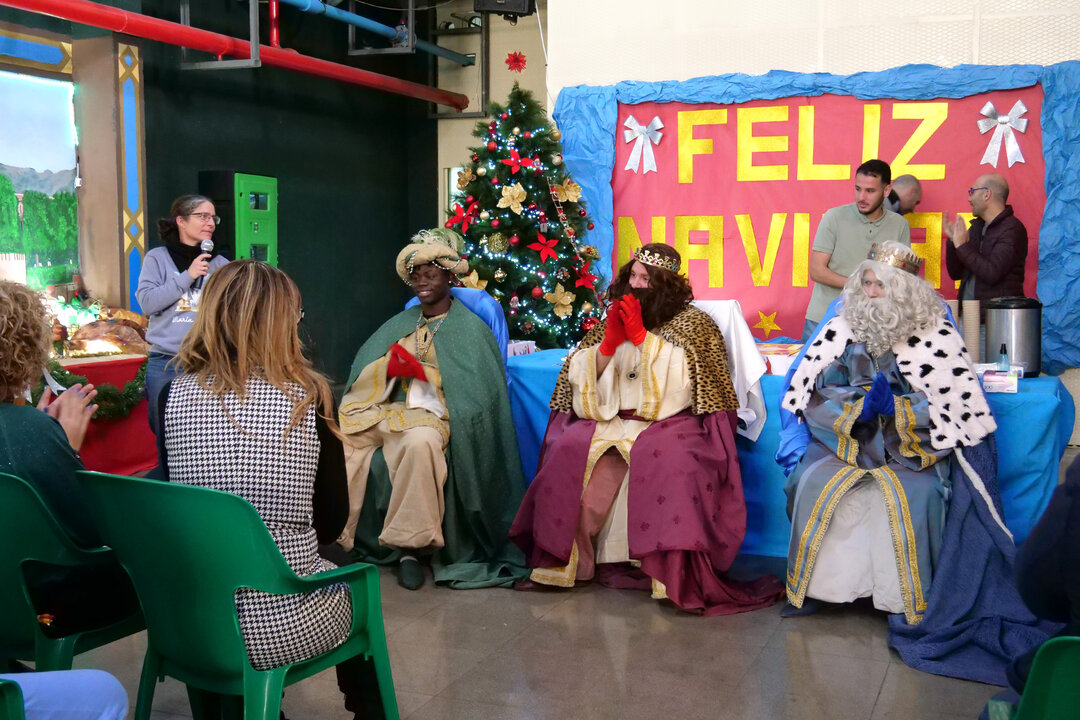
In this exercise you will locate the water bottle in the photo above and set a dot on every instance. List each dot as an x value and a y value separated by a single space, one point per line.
1003 359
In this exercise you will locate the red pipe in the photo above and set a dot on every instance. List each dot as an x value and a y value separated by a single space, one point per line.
94 14
275 38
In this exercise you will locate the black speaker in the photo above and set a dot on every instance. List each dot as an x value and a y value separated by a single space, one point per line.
506 8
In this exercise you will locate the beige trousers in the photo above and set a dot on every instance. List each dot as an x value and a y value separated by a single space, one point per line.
417 467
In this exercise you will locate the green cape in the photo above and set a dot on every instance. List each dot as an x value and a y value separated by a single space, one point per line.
484 483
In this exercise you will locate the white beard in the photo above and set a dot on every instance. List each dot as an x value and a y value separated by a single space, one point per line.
877 322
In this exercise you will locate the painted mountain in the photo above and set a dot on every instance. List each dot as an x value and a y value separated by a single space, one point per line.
47 182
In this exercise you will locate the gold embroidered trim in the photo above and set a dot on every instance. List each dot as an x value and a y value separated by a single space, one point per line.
909 441
797 584
907 558
659 590
561 576
650 387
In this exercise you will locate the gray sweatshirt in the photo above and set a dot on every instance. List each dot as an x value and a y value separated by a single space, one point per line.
168 296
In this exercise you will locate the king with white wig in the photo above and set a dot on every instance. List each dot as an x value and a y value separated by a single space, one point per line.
895 496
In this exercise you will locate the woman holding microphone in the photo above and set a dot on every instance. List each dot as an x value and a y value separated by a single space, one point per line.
170 285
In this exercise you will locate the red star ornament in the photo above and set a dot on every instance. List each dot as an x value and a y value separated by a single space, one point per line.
585 278
516 162
463 217
515 61
545 247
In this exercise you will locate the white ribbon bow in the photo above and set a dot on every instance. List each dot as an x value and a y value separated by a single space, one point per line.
643 138
1003 126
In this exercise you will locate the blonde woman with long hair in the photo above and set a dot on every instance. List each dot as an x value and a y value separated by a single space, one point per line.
251 416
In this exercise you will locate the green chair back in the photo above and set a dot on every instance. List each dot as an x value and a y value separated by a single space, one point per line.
11 701
187 550
1052 691
30 533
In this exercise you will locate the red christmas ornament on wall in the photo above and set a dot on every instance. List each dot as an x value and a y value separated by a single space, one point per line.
537 293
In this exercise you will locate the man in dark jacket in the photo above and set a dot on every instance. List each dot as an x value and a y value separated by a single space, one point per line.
987 258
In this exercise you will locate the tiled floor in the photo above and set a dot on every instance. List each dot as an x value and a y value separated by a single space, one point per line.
598 653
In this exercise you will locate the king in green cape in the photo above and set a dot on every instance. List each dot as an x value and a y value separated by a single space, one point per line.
432 457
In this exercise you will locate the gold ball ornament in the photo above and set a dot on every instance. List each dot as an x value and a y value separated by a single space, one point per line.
516 131
586 307
481 171
484 215
556 135
500 275
498 243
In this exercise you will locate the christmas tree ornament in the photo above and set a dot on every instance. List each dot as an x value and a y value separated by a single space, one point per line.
512 197
556 159
481 171
472 280
563 300
463 217
491 127
500 275
514 241
516 131
495 181
568 191
545 247
495 223
532 206
591 226
589 323
504 115
516 162
581 212
537 293
491 146
470 199
527 327
497 243
528 134
585 278
464 177
556 135
485 215
515 61
476 158
562 273
541 274
586 307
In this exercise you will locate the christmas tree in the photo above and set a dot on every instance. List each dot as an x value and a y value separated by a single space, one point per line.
524 223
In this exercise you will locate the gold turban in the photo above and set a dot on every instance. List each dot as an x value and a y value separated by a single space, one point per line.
440 246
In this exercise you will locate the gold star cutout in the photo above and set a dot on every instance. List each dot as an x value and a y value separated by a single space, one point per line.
767 323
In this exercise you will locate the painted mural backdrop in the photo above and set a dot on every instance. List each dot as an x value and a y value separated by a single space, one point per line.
39 233
739 189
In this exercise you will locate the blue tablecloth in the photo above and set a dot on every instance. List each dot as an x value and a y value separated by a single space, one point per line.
1034 426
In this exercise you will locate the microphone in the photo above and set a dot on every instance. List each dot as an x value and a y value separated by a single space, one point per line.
207 246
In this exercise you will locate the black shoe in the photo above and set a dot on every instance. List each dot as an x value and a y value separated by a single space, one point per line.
410 573
809 607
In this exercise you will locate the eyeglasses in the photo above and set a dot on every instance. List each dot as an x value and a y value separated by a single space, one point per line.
206 217
972 191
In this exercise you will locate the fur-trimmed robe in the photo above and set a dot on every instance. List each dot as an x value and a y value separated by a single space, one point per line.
685 514
973 621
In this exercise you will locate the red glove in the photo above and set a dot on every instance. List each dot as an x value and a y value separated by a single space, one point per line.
403 364
614 333
630 309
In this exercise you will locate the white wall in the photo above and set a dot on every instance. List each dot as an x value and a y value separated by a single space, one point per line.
600 42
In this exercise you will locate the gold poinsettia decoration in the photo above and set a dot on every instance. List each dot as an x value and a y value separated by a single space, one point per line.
464 177
512 197
569 191
472 280
563 300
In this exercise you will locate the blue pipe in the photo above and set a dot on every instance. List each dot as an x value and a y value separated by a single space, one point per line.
319 8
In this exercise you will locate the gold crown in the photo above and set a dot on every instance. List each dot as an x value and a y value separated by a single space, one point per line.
903 258
657 260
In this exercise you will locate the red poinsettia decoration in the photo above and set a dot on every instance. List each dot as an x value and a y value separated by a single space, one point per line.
585 278
545 247
515 61
463 217
516 162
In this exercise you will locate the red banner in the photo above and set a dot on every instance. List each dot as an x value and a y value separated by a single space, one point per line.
740 189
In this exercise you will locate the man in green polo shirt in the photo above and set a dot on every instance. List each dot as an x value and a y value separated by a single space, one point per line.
845 235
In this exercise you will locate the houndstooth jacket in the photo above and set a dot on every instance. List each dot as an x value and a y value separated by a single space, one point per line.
249 454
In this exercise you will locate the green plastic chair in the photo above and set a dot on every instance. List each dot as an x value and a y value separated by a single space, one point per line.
188 550
11 701
30 532
1052 691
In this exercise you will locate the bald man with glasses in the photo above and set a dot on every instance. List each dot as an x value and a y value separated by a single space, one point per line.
988 257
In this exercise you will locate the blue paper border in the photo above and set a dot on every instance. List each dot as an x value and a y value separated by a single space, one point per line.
588 119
